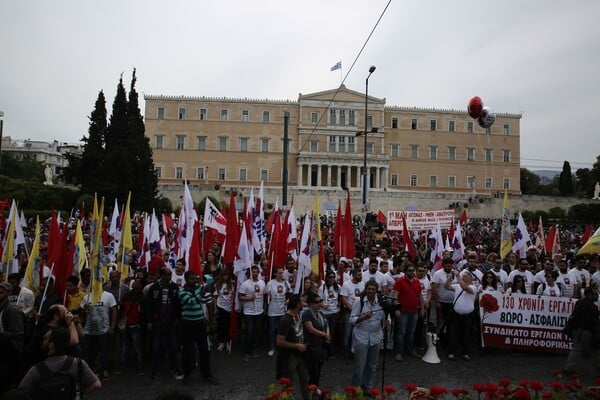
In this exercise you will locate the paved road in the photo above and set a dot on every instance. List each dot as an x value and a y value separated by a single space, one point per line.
240 380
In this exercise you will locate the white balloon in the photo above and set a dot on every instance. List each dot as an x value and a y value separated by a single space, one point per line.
486 118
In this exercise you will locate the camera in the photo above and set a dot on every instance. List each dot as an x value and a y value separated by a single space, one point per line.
388 304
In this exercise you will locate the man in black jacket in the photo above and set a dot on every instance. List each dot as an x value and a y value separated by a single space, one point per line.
586 324
11 339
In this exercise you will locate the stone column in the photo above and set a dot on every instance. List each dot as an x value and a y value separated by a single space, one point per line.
300 166
377 178
319 167
329 176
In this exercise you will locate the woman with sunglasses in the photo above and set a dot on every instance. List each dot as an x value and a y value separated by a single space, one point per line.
518 286
489 283
550 287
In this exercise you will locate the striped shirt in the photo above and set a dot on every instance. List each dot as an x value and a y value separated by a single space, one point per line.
191 303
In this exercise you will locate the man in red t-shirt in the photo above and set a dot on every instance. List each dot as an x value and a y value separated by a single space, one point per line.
407 290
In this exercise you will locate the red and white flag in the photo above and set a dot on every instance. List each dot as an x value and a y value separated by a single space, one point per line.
213 218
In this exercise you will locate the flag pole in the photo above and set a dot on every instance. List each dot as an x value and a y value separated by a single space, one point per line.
45 290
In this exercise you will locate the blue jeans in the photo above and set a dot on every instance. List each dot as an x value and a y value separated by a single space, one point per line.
272 323
88 342
404 332
133 340
365 362
163 337
252 322
347 343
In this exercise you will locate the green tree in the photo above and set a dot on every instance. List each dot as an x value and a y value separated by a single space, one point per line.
89 170
565 181
584 183
530 182
24 167
595 172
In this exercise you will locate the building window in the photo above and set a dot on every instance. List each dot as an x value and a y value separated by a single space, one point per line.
451 181
432 181
332 146
506 129
350 144
342 144
221 174
332 119
470 182
433 152
243 174
287 114
314 146
414 151
203 114
179 172
224 115
342 117
264 175
351 120
369 121
470 153
395 153
180 142
432 124
201 142
158 172
243 144
488 182
200 173
160 113
414 180
488 154
222 143
505 156
506 183
264 145
451 153
266 116
394 123
414 124
181 112
470 127
451 126
314 117
159 141
245 115
394 181
370 148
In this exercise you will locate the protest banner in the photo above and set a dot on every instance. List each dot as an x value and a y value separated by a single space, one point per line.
525 322
419 220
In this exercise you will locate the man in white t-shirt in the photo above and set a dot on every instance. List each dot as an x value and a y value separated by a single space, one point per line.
443 297
100 320
463 306
375 274
522 270
178 275
421 272
277 291
251 294
567 281
500 274
349 293
582 275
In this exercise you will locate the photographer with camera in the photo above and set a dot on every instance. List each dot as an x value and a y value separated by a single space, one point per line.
368 318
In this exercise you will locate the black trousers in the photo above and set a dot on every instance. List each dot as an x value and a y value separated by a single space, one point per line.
193 336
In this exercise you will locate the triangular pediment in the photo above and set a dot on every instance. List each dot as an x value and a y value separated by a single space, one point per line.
341 94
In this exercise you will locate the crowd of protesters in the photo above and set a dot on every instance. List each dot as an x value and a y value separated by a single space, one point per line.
163 312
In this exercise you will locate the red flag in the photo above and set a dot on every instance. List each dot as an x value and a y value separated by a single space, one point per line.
195 264
381 217
451 232
587 233
530 225
233 233
60 263
410 247
274 245
349 250
53 239
338 231
550 239
463 217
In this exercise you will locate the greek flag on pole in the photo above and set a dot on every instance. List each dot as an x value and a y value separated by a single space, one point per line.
338 65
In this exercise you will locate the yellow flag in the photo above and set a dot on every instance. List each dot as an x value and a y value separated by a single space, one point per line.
9 256
592 246
505 237
96 267
32 272
79 253
126 242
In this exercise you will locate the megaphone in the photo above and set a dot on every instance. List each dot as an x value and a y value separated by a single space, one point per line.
431 356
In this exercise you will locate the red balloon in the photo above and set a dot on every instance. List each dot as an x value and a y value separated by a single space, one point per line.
475 106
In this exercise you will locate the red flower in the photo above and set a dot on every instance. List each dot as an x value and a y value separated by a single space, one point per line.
480 387
504 382
523 383
522 393
575 377
325 391
410 387
437 391
313 387
557 372
374 391
351 390
536 385
548 396
289 389
557 386
576 384
284 381
491 388
389 389
276 395
503 392
458 392
489 303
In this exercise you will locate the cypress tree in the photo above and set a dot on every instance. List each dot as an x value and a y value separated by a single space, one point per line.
89 170
565 181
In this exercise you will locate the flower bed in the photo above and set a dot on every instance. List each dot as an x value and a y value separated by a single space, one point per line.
561 388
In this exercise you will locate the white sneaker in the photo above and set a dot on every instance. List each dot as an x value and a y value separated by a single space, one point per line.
271 352
221 346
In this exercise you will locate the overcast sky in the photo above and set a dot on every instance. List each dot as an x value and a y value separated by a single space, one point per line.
535 57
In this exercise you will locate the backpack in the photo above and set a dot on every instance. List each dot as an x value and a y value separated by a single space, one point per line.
55 385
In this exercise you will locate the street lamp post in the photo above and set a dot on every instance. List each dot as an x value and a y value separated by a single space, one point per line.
365 200
1 127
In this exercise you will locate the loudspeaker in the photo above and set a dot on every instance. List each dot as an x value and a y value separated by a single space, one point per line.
431 356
